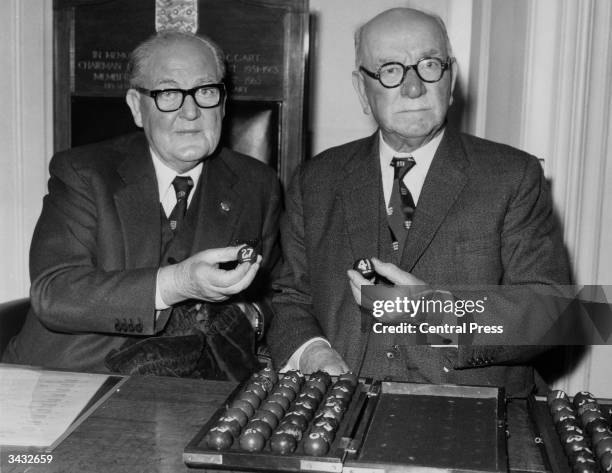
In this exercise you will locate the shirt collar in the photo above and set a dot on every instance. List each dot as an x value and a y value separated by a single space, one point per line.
423 156
165 175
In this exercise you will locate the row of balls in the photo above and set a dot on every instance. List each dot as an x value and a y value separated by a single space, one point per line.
584 430
281 411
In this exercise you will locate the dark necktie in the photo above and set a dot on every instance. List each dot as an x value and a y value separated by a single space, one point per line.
182 187
401 204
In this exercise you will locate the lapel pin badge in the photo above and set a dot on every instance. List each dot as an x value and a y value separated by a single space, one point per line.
225 206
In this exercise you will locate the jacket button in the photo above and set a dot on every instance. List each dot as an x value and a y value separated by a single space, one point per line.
390 355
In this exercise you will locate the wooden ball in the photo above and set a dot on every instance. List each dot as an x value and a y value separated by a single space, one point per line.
315 445
364 267
247 254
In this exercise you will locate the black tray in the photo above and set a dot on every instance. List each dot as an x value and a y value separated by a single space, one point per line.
389 427
546 435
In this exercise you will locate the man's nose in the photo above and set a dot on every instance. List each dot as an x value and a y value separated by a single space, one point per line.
412 86
190 109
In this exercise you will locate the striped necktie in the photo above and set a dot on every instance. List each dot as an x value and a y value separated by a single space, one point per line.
401 205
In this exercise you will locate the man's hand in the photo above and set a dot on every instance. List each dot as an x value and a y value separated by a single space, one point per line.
390 272
412 287
199 277
320 356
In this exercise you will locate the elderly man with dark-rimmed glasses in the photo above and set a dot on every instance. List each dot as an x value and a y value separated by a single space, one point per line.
134 259
433 208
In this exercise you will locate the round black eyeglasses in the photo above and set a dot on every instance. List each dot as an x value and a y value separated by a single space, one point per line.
170 100
392 74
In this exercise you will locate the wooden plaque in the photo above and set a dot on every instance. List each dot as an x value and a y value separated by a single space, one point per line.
265 43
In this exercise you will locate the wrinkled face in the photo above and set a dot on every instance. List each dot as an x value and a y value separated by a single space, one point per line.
186 136
412 113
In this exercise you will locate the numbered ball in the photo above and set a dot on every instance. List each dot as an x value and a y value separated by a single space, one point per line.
604 446
260 426
583 397
247 254
285 391
291 429
364 267
244 406
266 416
300 421
282 443
556 394
219 438
606 462
253 399
252 441
349 377
274 408
278 398
326 431
232 425
236 414
315 445
269 373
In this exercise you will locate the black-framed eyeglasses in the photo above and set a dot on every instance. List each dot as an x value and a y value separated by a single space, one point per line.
170 100
392 74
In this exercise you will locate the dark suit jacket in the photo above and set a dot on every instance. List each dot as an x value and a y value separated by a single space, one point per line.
96 247
484 217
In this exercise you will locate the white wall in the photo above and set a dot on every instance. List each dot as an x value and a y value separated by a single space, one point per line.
335 114
25 133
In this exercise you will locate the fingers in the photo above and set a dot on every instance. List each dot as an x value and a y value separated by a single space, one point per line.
395 274
216 284
335 369
239 282
356 280
320 356
220 255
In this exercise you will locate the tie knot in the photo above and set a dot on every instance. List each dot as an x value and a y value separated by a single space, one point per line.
402 166
182 186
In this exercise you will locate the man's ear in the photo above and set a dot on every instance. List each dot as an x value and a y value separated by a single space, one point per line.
454 73
132 97
223 107
359 85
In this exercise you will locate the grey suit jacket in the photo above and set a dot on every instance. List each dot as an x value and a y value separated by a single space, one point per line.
96 247
484 217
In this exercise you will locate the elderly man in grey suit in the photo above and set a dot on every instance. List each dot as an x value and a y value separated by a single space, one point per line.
137 234
474 213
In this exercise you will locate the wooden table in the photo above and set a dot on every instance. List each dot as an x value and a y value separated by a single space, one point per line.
145 425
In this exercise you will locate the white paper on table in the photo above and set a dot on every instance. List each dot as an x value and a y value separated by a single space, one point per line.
38 406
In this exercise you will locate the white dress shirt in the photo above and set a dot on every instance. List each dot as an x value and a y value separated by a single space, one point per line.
167 197
414 180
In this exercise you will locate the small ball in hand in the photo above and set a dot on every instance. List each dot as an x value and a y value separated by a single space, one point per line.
247 254
364 267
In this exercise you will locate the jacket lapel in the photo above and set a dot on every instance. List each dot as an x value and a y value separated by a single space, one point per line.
360 191
220 205
445 180
137 204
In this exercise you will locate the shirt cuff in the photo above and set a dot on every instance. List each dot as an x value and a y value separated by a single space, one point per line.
159 302
293 363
